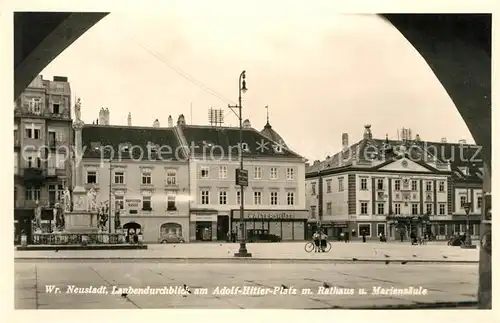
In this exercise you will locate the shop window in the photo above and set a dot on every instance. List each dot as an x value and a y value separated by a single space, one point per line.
366 228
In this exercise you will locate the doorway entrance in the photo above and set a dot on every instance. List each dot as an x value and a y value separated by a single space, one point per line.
203 231
222 227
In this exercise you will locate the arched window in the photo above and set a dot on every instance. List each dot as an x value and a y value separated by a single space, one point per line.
171 228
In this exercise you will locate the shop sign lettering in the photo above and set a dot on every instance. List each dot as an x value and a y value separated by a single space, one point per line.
270 216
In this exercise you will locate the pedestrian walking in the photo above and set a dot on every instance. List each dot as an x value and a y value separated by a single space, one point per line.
346 237
363 234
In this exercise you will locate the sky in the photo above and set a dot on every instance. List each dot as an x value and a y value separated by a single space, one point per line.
321 73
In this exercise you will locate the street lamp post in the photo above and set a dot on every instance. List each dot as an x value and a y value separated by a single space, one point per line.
109 202
241 174
468 243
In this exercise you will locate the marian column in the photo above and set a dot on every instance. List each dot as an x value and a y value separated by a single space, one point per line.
79 220
79 192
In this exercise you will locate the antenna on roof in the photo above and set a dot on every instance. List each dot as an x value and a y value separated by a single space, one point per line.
216 117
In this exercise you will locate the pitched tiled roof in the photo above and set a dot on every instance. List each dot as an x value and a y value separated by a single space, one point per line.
465 160
270 133
95 137
220 140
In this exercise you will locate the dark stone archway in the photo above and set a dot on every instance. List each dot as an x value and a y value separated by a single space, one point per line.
457 47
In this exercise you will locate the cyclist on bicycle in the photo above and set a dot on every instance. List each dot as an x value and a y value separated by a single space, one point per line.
316 238
323 238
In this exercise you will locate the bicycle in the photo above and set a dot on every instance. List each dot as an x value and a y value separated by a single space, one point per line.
310 246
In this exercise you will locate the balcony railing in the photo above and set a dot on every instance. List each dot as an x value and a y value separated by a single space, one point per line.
34 175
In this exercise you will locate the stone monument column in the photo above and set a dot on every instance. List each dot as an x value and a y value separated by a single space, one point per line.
79 219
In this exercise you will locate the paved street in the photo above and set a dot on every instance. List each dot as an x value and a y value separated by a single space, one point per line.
277 251
444 283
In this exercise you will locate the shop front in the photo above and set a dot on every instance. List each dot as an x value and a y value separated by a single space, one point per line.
203 226
404 225
288 225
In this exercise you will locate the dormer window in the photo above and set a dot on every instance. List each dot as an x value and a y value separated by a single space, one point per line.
244 146
278 148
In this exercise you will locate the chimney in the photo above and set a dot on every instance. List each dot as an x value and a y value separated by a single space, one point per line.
102 116
443 140
156 123
60 79
170 121
417 137
129 119
181 121
345 141
247 124
368 132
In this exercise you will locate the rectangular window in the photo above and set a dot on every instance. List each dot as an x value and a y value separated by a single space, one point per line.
313 189
380 208
204 172
328 185
329 208
364 184
60 161
55 193
273 173
380 184
171 199
313 212
290 173
36 134
397 185
146 203
441 186
414 185
56 108
479 202
119 178
364 228
463 200
91 177
381 229
205 197
442 209
35 105
290 198
257 197
257 173
428 186
364 207
341 184
238 197
32 193
171 177
119 202
428 208
146 178
397 208
222 172
414 209
274 198
223 197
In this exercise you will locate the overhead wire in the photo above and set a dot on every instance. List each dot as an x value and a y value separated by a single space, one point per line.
182 73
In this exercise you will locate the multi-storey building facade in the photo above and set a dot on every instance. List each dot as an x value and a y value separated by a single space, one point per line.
274 200
391 188
43 138
142 171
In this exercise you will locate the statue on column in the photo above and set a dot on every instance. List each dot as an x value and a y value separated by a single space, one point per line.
38 217
78 112
117 216
67 200
91 200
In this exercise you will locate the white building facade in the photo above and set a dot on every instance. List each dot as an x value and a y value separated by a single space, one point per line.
274 201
